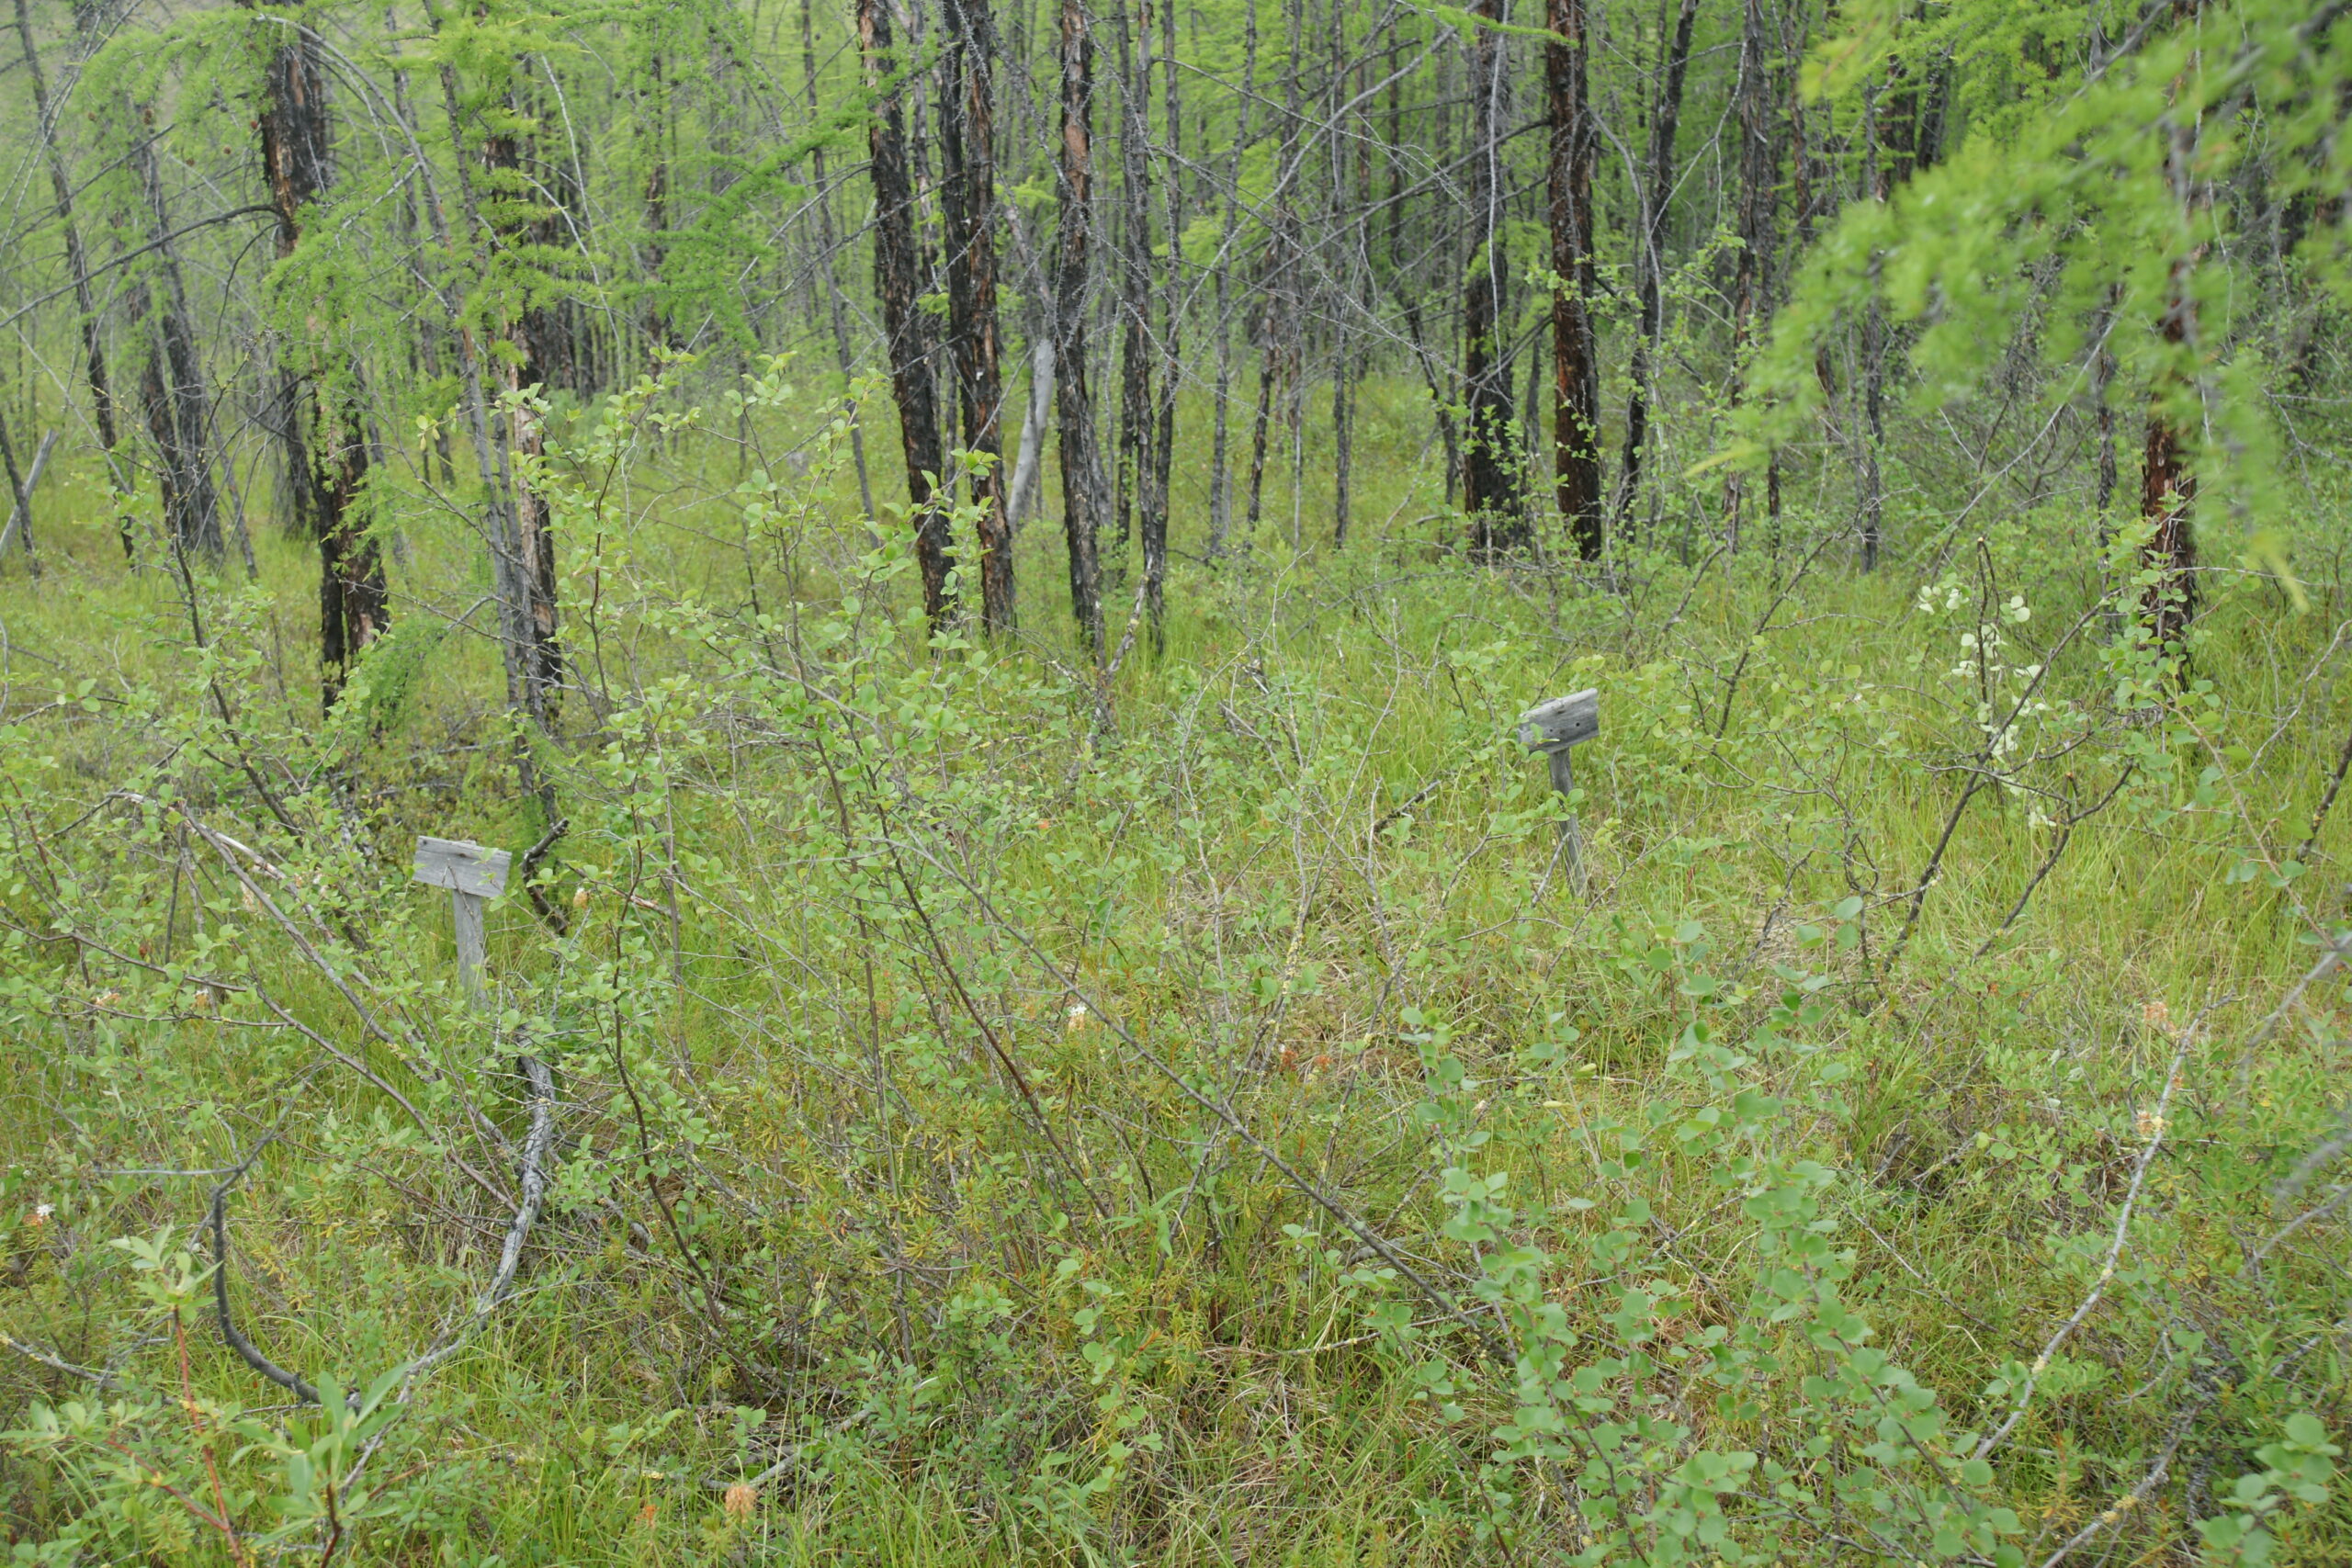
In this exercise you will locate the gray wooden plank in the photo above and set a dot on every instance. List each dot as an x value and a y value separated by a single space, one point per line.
462 867
472 951
1562 722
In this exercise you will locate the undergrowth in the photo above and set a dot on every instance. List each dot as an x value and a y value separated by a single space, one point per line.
1010 1103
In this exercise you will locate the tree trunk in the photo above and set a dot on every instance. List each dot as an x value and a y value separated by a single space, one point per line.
1029 466
1874 175
1650 264
1576 353
77 264
1343 438
1493 483
2167 482
1279 305
828 245
1073 239
654 109
1752 273
2167 493
179 406
1220 457
2103 367
352 597
1157 499
967 124
1134 462
545 360
897 275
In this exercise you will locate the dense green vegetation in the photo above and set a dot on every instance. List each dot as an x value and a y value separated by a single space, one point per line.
1168 1081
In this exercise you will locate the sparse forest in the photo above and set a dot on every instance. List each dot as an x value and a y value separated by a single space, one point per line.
1178 782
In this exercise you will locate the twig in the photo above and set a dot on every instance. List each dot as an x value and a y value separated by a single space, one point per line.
300 1388
1486 1338
1747 644
534 1184
2050 863
550 913
33 1352
2334 955
2114 1512
1993 1439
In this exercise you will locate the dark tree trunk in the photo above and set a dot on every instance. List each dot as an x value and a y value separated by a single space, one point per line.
1260 424
1875 185
1752 275
1342 437
1136 462
898 276
326 450
179 406
1220 457
545 346
1650 266
1494 490
2168 493
1576 353
94 357
2103 367
1157 493
655 108
2167 482
562 345
1073 243
967 124
1278 305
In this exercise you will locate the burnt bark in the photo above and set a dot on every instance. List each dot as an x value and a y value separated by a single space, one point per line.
543 362
967 144
172 386
1134 461
1494 490
898 272
326 445
1576 352
2167 478
1157 493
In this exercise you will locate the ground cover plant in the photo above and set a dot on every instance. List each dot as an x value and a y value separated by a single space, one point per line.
960 1078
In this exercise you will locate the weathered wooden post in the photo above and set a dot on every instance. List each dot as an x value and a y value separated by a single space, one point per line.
474 875
1554 728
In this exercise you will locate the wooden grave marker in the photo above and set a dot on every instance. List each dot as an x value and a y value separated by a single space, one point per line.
474 875
1555 728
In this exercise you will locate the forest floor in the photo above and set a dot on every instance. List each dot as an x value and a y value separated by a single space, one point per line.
1192 1114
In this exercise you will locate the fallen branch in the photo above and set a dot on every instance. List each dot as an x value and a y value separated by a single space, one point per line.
1993 1439
34 1352
246 1351
534 1186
